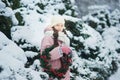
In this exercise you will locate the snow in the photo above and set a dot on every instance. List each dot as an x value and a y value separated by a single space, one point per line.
30 54
27 2
115 16
10 48
111 36
116 76
91 18
2 5
10 53
36 64
71 18
32 32
8 12
94 38
13 59
35 23
98 7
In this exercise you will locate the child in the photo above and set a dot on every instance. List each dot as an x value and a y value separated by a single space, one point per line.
55 35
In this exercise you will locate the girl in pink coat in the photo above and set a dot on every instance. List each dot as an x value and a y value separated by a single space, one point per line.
56 35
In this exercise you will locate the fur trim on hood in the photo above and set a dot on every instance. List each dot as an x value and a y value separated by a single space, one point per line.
61 36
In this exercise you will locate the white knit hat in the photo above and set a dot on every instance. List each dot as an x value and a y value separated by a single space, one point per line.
56 19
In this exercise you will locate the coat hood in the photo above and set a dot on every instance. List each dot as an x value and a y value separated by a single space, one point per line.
61 36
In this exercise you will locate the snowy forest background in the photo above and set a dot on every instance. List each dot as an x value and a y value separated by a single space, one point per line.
93 28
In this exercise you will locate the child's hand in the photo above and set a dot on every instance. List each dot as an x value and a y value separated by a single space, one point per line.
66 49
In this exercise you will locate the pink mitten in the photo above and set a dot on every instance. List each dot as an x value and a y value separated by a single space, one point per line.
66 49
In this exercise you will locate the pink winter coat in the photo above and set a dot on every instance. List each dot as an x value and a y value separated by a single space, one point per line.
48 41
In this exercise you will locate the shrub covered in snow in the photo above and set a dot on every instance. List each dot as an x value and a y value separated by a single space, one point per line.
7 19
96 57
95 39
12 63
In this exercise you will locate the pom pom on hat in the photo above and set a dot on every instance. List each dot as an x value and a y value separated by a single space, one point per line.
56 19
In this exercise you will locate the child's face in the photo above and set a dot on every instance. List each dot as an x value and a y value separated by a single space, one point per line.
59 27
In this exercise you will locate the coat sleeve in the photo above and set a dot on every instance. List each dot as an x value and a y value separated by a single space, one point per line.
45 43
55 53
